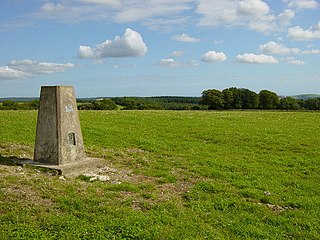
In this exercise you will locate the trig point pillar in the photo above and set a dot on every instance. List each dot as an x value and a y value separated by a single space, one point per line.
58 138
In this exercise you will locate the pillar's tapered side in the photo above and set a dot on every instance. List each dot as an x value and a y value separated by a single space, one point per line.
58 137
71 142
46 146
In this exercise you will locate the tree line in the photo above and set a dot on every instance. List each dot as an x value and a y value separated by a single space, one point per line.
211 99
159 103
242 98
13 105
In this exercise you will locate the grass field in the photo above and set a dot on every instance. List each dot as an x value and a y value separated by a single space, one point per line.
178 175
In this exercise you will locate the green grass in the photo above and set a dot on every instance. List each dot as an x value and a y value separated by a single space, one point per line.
194 175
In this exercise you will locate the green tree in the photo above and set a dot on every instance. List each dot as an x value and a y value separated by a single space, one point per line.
86 106
104 104
10 105
32 105
250 99
213 98
289 103
229 98
240 98
312 104
268 99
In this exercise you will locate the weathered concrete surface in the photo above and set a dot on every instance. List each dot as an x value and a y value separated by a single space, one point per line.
71 169
58 138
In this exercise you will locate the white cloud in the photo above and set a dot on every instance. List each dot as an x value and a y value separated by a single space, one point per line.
86 52
308 4
296 62
18 69
185 38
130 45
38 68
299 34
214 57
152 13
112 3
230 12
52 7
253 14
179 53
265 25
293 61
254 8
285 17
169 62
276 48
7 73
140 10
313 51
253 58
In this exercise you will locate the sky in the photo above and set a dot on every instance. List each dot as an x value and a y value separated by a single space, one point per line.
108 48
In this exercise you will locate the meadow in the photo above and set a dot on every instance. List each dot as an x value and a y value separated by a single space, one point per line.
180 175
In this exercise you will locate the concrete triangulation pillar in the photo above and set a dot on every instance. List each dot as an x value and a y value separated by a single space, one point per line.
58 138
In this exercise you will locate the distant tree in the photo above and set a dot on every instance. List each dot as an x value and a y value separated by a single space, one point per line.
268 100
10 105
105 104
32 105
312 104
129 103
229 96
213 98
86 106
289 103
250 99
240 98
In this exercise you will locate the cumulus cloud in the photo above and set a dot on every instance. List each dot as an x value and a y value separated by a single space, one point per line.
185 38
253 14
308 4
18 69
285 17
129 45
213 57
276 48
299 34
253 58
252 8
215 12
7 73
169 62
86 52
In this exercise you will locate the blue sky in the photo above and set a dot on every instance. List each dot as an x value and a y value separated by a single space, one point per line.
159 47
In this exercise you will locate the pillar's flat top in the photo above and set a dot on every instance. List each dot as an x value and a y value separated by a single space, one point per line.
57 86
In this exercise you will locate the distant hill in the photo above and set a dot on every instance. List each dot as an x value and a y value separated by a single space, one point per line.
306 96
19 99
29 99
